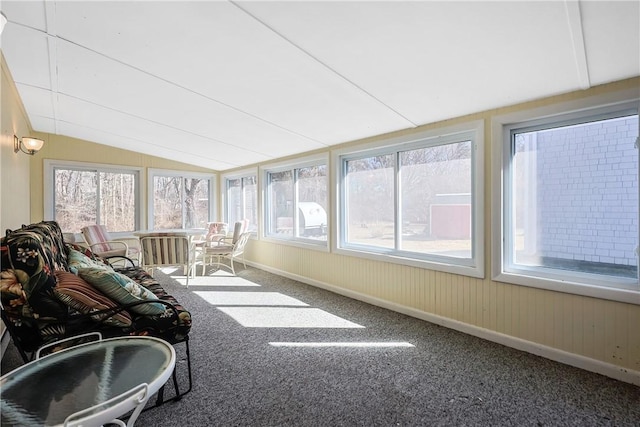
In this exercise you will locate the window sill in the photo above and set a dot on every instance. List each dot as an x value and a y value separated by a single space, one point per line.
470 269
321 245
626 295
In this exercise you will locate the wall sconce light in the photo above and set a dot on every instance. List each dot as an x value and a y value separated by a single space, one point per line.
27 145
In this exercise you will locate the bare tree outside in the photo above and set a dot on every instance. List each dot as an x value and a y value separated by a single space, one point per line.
167 202
180 202
117 201
370 200
281 190
87 197
242 200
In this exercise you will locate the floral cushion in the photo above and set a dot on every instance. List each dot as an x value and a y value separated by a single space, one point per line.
79 295
30 329
33 257
121 289
10 290
52 239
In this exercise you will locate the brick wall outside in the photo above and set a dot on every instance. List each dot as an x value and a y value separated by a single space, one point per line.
587 193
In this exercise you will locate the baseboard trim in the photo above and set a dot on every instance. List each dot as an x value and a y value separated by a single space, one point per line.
571 359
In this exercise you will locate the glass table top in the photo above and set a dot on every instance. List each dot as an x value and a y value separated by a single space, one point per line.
47 390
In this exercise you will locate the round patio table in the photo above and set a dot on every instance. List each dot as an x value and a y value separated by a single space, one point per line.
47 390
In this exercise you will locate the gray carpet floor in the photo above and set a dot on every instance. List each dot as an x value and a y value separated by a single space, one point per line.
406 372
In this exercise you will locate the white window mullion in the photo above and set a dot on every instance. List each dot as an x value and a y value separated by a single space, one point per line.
296 217
637 147
98 196
398 203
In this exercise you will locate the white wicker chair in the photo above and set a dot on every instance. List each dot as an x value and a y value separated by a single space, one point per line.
225 251
168 250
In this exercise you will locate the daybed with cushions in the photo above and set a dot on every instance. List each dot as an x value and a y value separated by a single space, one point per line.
52 290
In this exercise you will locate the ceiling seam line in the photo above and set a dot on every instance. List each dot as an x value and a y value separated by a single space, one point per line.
196 93
52 47
162 124
574 19
332 70
181 87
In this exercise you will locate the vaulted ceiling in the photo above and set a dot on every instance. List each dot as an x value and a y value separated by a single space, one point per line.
223 84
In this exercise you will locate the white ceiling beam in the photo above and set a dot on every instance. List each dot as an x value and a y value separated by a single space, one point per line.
574 19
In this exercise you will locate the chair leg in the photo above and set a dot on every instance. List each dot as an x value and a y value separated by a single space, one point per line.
204 262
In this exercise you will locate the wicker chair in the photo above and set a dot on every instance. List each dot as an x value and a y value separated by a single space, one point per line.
167 250
101 243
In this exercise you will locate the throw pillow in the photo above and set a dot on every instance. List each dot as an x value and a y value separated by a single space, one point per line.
77 260
79 295
122 289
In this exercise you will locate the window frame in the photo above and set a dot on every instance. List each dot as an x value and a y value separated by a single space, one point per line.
49 167
152 173
224 189
473 266
578 283
293 165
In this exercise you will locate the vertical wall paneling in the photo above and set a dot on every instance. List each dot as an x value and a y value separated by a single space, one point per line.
620 345
632 338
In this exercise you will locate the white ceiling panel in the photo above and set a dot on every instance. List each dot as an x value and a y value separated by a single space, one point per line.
226 84
131 144
96 79
226 54
28 52
43 124
36 101
31 13
424 58
72 110
612 35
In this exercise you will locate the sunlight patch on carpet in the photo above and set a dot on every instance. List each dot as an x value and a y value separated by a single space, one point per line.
342 344
286 317
214 281
248 298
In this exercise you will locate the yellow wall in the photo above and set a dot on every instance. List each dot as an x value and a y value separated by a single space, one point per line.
595 334
14 167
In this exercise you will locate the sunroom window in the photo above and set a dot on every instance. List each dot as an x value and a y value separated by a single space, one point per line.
241 199
296 202
179 200
78 194
571 199
415 202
